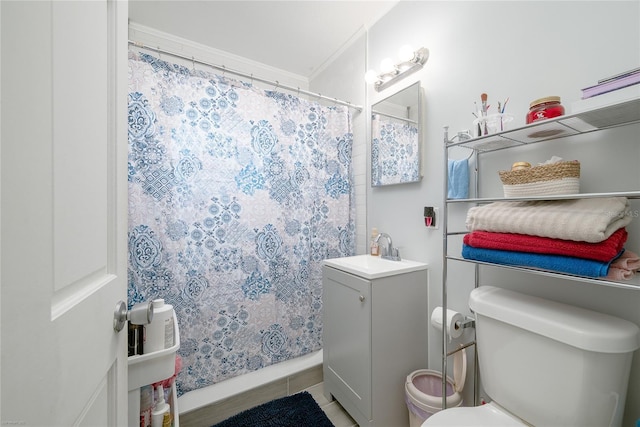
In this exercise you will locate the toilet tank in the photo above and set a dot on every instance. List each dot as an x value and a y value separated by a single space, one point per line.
552 364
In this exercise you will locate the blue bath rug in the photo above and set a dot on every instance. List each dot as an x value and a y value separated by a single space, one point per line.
298 410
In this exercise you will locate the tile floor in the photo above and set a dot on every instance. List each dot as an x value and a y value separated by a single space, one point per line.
310 380
336 414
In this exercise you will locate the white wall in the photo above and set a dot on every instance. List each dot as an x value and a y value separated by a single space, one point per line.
154 38
343 78
523 50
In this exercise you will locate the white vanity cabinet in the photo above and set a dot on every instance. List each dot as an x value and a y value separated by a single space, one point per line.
375 334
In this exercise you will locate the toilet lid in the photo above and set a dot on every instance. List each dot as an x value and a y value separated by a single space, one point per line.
459 370
477 416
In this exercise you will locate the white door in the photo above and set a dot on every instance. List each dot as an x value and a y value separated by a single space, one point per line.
64 212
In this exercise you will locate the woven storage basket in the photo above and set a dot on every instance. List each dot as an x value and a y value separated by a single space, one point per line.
543 180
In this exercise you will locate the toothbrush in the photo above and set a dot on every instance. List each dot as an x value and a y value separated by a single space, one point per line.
504 105
483 98
501 111
477 113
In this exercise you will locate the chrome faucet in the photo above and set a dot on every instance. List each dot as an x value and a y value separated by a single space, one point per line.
388 252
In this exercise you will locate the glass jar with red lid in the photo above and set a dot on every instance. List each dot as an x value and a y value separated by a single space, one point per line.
544 108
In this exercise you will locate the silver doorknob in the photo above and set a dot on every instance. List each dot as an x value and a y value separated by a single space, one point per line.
140 314
361 298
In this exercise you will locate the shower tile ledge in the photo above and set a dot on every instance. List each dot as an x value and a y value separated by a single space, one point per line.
206 396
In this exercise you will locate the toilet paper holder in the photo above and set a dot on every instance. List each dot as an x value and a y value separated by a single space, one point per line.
468 322
453 321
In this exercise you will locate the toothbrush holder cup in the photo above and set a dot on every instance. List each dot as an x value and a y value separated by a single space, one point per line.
490 124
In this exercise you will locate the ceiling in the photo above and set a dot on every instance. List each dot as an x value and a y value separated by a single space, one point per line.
295 36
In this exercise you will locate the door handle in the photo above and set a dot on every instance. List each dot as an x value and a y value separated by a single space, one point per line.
140 314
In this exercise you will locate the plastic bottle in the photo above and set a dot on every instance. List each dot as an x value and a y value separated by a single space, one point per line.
374 248
161 408
146 405
166 420
159 333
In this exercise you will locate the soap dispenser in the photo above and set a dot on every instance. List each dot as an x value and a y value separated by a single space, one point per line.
374 249
159 411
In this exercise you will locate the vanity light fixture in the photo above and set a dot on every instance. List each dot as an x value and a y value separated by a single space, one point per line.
410 61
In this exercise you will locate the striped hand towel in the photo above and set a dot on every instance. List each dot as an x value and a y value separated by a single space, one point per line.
588 220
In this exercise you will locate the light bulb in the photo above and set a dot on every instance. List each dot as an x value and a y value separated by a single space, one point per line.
371 76
406 53
386 66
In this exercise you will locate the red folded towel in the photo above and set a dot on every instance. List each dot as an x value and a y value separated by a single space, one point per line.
604 251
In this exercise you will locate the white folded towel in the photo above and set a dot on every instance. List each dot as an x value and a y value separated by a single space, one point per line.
588 220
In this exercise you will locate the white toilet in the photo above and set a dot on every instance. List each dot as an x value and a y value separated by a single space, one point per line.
544 363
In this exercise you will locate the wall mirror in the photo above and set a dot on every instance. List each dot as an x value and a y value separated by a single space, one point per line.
395 138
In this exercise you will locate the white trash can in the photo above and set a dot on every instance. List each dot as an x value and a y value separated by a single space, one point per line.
423 390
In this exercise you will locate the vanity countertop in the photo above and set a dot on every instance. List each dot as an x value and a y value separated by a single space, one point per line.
374 267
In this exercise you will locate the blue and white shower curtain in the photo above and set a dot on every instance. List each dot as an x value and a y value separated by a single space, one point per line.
395 153
236 195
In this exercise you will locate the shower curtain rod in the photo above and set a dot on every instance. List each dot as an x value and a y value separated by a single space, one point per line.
248 76
391 116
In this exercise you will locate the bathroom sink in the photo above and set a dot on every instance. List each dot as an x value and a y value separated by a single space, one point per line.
373 267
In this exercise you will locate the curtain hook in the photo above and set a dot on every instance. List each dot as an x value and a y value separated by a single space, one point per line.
159 52
224 70
193 63
298 91
275 88
251 79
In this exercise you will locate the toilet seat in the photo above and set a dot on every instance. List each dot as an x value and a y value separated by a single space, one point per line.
476 416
